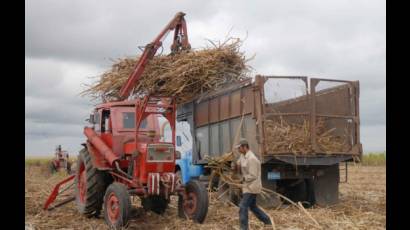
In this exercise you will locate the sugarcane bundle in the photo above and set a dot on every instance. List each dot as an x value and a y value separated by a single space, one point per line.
284 137
183 75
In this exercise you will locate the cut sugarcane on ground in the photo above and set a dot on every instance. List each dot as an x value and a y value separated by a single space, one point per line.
183 75
362 206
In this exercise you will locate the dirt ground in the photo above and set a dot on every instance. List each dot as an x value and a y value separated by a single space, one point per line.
362 206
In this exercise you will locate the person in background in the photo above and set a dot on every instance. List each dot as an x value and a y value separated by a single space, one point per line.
249 167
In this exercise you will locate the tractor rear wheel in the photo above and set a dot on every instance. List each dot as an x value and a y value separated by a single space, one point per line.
90 186
117 206
195 206
157 204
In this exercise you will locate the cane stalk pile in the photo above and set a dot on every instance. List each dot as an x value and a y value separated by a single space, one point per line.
284 137
220 169
183 75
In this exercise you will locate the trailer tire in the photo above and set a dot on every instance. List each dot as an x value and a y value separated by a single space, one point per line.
117 206
301 192
196 207
294 189
157 204
90 186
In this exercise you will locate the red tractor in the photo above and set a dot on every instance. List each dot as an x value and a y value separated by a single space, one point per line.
60 161
126 154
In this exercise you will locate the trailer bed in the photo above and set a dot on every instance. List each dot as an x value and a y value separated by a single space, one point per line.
318 106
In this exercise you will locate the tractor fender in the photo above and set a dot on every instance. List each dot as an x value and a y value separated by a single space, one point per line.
184 169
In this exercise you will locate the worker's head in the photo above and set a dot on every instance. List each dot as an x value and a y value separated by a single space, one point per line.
243 146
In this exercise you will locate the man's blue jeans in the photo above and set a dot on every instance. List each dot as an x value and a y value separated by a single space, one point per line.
249 202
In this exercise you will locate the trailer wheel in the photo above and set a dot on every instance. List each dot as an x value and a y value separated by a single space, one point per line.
157 204
117 206
301 191
90 186
195 207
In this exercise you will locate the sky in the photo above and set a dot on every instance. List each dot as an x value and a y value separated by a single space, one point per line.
67 42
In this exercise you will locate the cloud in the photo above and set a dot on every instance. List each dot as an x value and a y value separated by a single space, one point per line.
69 41
373 138
92 31
54 110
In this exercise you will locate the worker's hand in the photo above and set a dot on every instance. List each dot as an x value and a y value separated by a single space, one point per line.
233 166
236 167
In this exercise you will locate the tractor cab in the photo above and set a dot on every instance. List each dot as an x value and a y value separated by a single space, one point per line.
116 124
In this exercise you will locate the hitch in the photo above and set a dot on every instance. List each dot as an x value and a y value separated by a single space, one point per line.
56 192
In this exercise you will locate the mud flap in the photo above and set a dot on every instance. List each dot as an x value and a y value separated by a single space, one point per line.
326 186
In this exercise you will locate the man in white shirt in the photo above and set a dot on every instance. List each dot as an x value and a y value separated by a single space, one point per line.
250 169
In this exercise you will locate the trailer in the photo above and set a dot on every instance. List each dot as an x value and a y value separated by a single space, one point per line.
309 177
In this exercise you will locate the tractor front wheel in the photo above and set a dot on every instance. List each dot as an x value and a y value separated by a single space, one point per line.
194 204
117 206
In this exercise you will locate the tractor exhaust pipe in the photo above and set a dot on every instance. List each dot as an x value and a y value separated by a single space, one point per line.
100 146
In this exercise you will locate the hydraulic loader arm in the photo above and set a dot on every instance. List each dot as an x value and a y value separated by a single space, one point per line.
180 42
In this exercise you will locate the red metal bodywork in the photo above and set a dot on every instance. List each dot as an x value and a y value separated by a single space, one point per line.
100 145
119 143
122 150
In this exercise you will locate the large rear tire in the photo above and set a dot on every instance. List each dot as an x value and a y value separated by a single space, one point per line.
90 186
117 206
195 207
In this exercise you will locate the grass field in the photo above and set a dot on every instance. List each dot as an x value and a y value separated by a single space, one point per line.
37 161
374 159
362 206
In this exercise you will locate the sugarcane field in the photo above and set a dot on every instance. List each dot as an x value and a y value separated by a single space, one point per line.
213 116
362 206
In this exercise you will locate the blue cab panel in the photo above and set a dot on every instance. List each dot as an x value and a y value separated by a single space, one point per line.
188 170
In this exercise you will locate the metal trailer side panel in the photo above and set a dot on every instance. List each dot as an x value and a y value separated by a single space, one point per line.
214 118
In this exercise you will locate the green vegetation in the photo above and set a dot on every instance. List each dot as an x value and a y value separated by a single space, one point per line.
374 159
37 161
